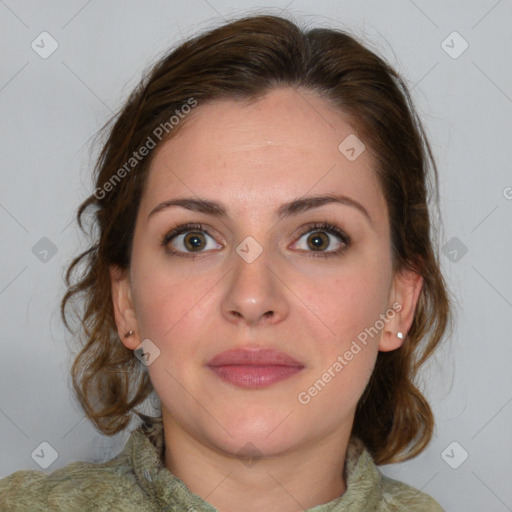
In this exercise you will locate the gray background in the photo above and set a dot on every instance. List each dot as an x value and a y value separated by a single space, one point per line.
52 107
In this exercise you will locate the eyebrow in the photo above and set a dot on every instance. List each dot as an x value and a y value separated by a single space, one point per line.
289 209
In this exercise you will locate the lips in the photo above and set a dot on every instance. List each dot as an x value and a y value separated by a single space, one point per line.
254 368
259 357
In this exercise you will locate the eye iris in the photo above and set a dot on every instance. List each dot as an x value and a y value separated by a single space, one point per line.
194 241
318 241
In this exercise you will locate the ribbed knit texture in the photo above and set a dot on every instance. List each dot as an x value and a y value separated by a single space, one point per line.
137 480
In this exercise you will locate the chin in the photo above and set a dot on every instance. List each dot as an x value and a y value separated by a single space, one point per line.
251 446
257 435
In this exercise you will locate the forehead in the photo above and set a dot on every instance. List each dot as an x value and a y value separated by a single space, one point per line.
280 147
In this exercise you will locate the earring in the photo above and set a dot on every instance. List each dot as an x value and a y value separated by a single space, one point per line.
400 335
129 333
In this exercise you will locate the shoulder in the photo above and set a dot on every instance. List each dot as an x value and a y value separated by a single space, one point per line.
397 496
369 489
78 486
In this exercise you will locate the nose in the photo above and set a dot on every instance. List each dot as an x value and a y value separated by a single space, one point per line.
255 293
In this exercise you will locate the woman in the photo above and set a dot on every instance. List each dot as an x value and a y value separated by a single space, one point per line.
264 265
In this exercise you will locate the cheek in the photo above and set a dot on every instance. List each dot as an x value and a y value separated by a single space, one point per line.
166 299
338 388
345 348
345 303
346 343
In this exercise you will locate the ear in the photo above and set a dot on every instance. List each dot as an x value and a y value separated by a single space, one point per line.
404 295
124 311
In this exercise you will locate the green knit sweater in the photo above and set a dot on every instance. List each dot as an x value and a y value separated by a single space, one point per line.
137 480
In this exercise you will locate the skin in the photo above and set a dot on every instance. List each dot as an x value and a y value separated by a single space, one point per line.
253 158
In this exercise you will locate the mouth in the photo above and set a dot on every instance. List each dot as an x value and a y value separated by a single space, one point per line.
254 369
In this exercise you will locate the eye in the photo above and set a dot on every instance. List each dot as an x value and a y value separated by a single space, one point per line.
321 237
188 239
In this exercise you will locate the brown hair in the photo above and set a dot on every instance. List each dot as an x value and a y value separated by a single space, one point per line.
242 60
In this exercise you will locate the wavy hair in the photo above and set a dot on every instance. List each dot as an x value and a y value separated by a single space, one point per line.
242 60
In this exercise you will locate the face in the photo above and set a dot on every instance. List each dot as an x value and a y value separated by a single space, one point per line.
259 271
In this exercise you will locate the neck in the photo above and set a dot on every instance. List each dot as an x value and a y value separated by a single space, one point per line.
298 480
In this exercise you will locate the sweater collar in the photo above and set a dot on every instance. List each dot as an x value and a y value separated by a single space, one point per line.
144 453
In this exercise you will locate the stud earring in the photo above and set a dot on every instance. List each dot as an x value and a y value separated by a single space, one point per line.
129 333
400 335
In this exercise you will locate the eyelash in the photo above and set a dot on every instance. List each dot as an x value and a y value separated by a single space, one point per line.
317 226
